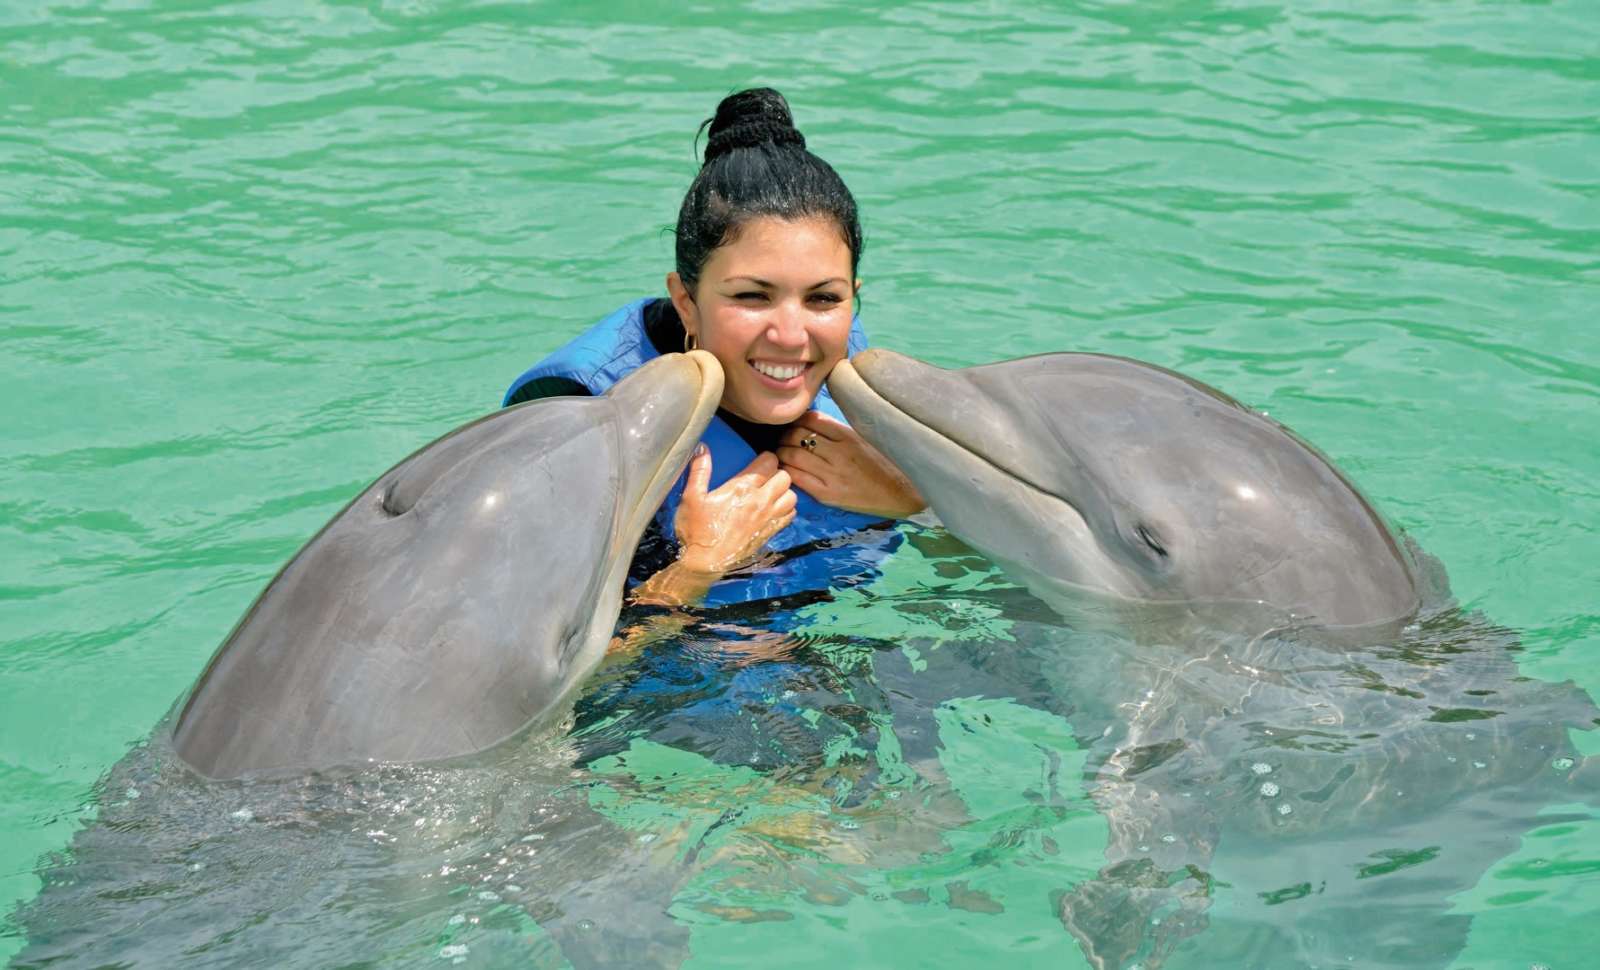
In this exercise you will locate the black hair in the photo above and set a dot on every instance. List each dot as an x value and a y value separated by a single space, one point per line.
756 164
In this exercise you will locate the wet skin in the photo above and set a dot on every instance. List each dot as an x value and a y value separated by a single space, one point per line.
463 596
1098 480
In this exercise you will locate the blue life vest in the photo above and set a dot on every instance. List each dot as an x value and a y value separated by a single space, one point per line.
836 551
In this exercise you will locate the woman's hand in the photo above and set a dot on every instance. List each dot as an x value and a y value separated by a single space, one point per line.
718 530
843 471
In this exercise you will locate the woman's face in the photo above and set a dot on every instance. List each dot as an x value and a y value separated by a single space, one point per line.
774 307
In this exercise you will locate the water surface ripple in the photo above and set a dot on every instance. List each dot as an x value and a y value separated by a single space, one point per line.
253 253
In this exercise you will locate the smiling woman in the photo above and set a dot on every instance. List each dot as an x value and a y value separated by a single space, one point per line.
767 245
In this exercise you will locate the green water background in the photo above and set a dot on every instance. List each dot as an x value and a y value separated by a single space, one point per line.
251 254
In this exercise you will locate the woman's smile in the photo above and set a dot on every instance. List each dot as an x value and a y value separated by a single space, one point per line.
781 375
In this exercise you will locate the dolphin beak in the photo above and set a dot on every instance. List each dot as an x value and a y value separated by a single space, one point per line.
864 387
881 363
710 376
964 449
886 395
662 409
931 395
883 393
973 409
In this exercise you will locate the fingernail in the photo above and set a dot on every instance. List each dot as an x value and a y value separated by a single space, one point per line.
700 449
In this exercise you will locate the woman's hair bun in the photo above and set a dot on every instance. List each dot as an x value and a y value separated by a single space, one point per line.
758 116
757 166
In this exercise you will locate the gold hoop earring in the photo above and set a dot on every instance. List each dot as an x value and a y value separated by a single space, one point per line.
690 342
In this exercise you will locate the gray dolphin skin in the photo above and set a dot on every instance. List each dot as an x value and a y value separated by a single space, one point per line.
461 597
1082 473
1277 661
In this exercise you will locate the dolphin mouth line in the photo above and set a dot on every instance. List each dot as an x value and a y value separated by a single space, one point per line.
629 526
979 456
650 497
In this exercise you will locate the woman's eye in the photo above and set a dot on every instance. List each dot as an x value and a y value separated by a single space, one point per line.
750 295
826 298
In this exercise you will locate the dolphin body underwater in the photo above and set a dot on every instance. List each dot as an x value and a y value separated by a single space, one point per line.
463 596
458 602
1287 667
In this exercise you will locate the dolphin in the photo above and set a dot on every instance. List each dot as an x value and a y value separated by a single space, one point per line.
1287 662
1092 478
461 597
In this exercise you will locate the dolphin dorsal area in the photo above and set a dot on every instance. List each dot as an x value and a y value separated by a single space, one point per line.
1101 475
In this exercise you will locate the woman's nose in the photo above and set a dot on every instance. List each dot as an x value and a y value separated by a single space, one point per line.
787 326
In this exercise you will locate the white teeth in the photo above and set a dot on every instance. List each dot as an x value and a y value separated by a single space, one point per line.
778 372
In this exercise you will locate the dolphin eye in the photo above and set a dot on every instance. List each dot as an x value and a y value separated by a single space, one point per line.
1149 538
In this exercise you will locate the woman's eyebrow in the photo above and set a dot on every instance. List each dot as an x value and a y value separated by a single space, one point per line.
772 286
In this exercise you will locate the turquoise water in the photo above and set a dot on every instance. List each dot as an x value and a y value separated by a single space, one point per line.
252 254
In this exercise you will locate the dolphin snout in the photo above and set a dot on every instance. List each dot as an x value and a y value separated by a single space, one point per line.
710 373
885 369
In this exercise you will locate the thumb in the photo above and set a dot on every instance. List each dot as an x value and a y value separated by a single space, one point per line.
694 487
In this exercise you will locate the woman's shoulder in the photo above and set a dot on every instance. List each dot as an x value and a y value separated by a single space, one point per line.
592 361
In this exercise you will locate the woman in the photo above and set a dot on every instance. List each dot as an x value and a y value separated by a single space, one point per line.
768 241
